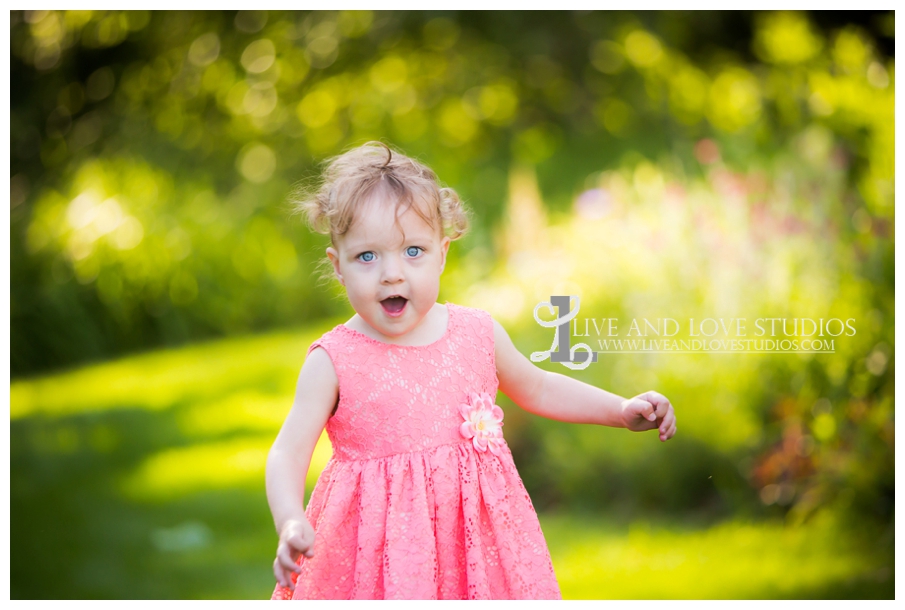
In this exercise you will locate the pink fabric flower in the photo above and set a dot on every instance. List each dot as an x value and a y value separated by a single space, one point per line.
483 422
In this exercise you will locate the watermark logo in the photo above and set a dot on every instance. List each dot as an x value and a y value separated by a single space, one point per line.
567 355
707 335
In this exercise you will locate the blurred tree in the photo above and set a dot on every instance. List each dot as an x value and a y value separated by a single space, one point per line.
151 151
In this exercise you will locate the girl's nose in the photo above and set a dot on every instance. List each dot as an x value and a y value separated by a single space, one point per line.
392 271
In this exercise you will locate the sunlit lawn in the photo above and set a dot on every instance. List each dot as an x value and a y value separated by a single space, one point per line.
143 478
659 559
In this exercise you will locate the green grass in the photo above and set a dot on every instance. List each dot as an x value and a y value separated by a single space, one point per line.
652 558
144 478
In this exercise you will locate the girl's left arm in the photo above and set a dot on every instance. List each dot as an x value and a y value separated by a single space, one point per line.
562 398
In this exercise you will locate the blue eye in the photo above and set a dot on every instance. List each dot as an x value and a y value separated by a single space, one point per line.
413 251
366 256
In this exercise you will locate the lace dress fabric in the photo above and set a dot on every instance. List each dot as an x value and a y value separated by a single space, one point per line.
407 508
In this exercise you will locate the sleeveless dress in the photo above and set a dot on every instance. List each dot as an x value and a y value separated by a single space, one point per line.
408 507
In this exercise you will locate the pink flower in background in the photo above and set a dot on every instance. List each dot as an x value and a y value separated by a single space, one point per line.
483 422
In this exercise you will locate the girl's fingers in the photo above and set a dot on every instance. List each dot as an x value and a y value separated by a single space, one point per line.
290 549
664 408
668 420
280 574
667 430
301 547
661 403
644 409
657 412
286 560
634 410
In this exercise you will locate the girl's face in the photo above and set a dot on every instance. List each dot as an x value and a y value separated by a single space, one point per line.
392 284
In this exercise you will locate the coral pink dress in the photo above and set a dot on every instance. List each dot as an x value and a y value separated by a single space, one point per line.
408 507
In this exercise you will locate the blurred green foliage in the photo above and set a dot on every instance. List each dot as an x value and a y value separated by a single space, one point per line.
152 151
662 164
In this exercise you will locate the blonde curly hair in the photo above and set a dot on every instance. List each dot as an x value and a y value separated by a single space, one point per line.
350 179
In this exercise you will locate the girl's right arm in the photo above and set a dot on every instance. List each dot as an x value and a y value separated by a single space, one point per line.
287 463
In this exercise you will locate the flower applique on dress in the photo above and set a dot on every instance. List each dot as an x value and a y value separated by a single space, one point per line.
483 422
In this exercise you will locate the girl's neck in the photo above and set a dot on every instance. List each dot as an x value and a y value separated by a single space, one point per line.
432 328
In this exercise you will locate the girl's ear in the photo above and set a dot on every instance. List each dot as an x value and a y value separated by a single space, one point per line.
333 255
444 248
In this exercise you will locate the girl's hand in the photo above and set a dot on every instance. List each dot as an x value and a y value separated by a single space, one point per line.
297 538
648 411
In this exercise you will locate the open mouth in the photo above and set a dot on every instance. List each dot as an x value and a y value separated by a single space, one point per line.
394 305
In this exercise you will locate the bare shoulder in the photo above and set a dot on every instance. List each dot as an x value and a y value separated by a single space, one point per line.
318 369
499 333
503 345
316 393
519 378
317 388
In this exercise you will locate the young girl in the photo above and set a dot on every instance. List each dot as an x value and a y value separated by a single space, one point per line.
421 498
